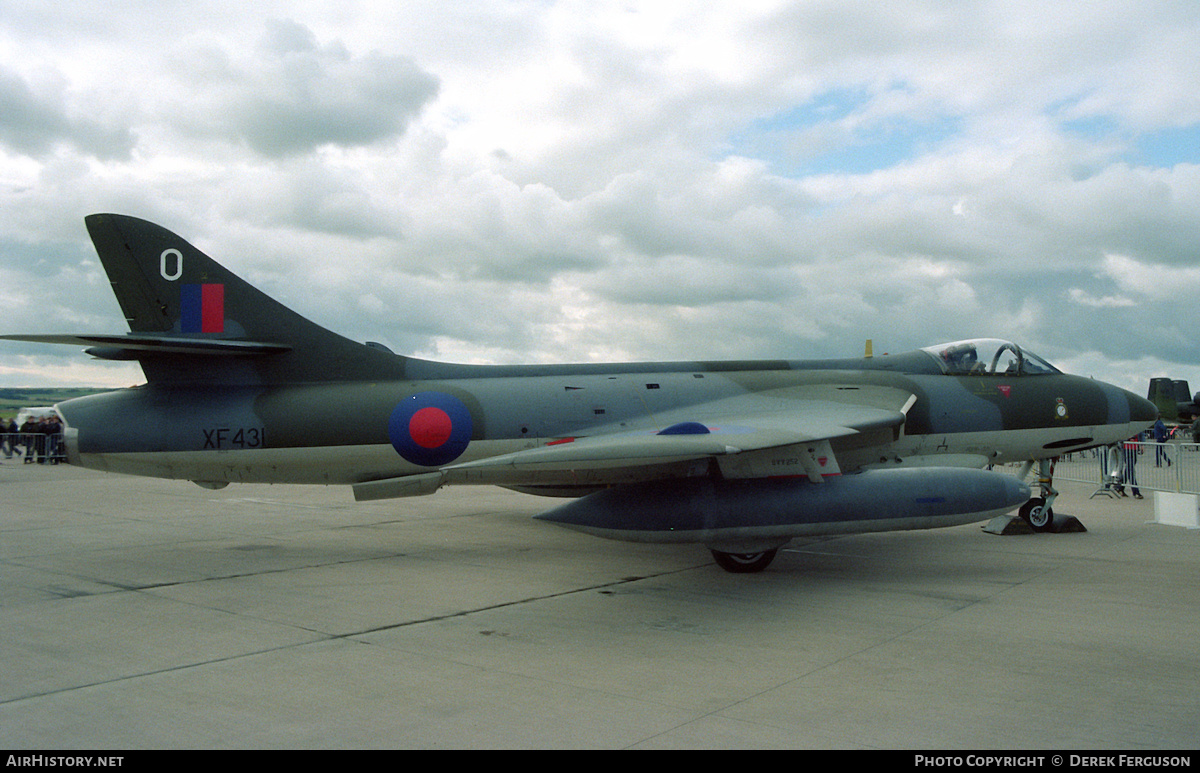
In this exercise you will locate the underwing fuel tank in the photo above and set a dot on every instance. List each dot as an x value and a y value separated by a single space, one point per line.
775 510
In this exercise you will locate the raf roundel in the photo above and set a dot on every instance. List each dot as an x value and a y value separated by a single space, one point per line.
430 428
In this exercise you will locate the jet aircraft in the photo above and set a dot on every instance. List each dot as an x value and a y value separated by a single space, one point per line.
1174 400
740 457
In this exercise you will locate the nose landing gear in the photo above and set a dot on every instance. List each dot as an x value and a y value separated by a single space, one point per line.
1038 512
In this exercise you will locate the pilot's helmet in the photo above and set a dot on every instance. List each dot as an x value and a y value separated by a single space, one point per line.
959 352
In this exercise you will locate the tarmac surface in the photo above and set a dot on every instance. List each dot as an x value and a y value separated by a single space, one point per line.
139 613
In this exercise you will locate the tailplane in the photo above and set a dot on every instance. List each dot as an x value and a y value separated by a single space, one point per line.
191 320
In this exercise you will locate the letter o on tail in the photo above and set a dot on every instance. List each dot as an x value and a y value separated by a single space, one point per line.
162 264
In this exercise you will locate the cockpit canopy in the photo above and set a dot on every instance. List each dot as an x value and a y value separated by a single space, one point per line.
988 357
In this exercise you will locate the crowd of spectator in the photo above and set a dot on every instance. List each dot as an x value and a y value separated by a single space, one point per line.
37 440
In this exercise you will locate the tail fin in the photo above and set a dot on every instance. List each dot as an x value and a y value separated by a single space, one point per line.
184 309
1162 394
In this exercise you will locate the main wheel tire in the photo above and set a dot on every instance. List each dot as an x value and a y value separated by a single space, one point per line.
744 563
1037 515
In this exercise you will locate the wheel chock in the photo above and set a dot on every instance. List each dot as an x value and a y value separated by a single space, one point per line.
1008 525
1066 524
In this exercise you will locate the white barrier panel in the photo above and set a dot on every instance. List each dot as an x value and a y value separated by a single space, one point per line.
1176 509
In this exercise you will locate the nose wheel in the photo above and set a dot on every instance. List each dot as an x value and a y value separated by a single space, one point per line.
1038 511
1037 514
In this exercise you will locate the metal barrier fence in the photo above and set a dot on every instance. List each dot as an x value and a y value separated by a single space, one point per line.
1156 466
33 447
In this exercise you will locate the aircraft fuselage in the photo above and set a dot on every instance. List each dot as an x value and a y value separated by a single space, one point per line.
340 433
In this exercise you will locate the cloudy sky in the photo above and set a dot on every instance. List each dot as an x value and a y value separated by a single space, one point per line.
559 181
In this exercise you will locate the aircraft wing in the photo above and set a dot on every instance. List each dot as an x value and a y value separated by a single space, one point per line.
733 425
721 435
730 426
720 428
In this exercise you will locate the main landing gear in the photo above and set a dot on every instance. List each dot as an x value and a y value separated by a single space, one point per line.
1038 512
744 563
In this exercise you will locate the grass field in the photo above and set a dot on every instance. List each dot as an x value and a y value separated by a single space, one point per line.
13 400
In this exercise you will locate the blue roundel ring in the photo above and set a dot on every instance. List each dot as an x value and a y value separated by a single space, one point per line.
430 428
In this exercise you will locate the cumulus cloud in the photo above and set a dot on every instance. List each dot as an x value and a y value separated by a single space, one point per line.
290 94
1083 298
574 180
39 118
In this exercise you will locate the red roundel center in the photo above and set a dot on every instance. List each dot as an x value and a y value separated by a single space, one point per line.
430 427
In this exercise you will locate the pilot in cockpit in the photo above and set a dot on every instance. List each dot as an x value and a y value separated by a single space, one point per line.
960 358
